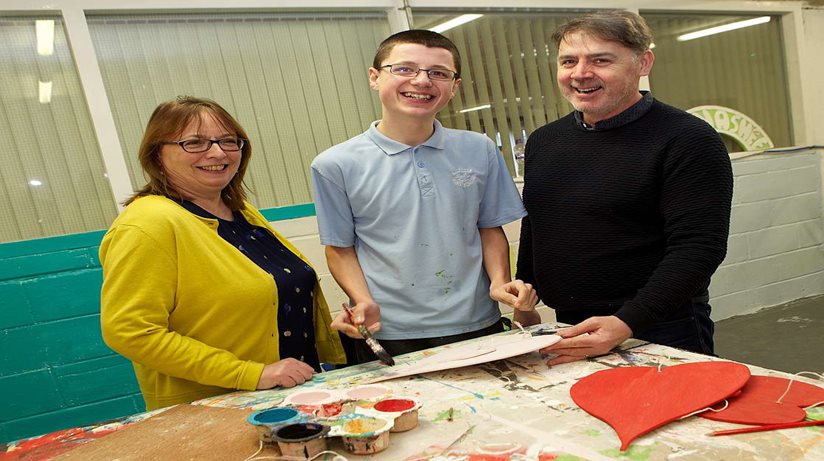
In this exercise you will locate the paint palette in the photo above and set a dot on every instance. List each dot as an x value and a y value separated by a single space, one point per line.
362 416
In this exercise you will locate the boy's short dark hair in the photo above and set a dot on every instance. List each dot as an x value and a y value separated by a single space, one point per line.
423 37
621 26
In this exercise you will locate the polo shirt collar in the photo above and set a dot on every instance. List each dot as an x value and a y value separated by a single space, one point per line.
633 113
392 147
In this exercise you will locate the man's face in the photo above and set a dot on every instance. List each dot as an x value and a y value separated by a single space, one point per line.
417 96
599 77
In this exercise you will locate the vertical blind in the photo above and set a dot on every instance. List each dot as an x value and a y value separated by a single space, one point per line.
297 84
509 73
53 179
508 78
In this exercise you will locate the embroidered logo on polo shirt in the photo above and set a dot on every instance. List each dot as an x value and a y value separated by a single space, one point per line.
463 177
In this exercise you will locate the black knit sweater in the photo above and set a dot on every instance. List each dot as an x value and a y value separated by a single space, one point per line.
631 215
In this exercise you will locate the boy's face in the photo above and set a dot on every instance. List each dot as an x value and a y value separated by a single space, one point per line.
417 96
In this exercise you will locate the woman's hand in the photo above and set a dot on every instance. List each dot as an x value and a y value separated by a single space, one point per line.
288 372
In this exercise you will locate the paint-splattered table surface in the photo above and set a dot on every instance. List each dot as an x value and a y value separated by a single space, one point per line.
520 409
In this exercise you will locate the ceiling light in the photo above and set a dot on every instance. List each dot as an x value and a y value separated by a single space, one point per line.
472 109
45 92
724 28
455 22
35 182
45 36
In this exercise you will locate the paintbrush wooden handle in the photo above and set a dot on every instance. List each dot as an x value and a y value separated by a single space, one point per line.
769 427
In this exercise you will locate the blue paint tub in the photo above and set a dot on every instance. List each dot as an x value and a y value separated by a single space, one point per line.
266 421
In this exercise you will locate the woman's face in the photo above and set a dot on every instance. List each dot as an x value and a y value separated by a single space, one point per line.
205 174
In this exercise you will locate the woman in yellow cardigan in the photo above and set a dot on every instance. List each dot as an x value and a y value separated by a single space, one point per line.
199 291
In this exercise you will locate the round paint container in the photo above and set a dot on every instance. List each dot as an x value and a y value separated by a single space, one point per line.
265 421
301 439
365 435
404 411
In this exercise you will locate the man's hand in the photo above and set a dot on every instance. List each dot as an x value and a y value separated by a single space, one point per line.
288 372
367 314
592 337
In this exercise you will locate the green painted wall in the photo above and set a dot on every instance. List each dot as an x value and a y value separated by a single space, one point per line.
55 370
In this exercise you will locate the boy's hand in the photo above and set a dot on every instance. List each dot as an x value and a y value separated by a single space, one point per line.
517 294
367 314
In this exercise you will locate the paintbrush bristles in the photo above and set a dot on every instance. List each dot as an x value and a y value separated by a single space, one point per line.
373 344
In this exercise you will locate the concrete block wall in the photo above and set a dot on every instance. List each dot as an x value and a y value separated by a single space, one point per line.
776 247
55 370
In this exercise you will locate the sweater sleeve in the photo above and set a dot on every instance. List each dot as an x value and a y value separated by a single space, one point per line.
137 298
524 269
695 204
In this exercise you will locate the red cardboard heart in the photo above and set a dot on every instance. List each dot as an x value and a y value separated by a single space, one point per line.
636 400
758 402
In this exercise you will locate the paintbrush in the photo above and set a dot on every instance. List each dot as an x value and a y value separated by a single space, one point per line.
373 343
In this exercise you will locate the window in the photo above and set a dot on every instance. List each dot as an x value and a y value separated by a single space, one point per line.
508 84
742 69
509 71
53 179
297 83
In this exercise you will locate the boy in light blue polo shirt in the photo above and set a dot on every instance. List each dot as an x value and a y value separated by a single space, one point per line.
411 212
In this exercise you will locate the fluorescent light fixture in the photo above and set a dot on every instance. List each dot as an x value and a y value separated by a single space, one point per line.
472 109
45 36
45 92
455 22
724 28
35 182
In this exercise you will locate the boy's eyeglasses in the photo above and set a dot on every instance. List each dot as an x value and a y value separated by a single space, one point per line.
405 70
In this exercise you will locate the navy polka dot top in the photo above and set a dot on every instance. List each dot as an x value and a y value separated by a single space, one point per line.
294 279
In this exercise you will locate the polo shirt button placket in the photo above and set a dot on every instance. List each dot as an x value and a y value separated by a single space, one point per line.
424 180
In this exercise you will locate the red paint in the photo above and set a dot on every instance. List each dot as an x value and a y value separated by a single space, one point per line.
758 402
50 445
327 409
636 400
395 405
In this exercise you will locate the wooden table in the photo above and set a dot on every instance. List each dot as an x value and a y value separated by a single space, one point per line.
516 408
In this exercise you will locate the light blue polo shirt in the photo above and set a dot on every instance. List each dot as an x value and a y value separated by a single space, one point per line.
413 214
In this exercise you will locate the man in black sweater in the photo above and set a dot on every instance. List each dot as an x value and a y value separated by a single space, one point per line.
628 200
